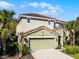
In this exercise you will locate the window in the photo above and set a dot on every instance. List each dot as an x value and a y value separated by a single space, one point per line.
57 25
49 22
28 20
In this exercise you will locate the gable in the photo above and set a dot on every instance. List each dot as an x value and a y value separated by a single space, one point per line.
43 32
59 30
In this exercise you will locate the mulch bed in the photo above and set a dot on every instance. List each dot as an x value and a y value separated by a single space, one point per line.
11 57
30 56
16 57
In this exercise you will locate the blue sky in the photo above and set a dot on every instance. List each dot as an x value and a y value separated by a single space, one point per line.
61 9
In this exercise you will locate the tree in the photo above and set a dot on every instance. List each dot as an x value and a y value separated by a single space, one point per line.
73 28
77 19
6 16
70 27
8 25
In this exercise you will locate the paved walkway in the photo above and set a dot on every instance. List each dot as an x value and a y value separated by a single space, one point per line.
50 54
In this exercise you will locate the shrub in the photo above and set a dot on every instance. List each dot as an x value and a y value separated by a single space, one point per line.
1 51
12 49
25 49
71 49
76 56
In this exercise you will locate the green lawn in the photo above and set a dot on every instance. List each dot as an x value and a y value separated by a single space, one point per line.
76 56
72 51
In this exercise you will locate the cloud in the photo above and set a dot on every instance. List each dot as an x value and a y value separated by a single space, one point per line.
22 5
52 11
36 4
41 4
46 8
4 4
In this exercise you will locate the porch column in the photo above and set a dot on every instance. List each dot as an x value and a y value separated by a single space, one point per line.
61 42
28 43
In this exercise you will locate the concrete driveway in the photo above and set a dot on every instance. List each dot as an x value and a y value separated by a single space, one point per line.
50 54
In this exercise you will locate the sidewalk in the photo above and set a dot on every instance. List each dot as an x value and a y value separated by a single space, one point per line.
50 54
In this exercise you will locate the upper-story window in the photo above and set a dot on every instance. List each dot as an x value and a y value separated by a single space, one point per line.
57 25
49 22
28 20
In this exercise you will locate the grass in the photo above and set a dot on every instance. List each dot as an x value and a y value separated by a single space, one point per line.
73 51
76 56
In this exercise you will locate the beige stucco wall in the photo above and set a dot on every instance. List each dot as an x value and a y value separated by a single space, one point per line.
23 26
43 33
60 31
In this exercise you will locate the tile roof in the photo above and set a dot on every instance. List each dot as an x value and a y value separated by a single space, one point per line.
37 15
42 16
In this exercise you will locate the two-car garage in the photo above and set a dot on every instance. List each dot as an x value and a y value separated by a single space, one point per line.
42 43
42 38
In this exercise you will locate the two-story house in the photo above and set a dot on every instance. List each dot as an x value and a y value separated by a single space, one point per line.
39 32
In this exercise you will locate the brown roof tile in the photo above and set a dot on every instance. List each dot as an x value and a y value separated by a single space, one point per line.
37 15
42 16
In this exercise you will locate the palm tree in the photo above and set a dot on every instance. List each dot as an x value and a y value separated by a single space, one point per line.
6 18
1 19
70 26
73 28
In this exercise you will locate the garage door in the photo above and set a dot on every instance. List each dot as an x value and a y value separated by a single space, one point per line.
42 43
